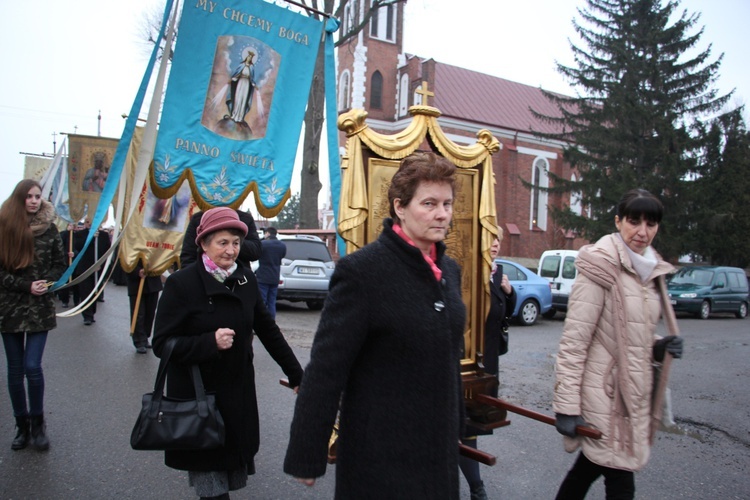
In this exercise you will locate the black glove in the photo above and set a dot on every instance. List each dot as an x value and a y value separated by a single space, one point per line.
671 344
566 424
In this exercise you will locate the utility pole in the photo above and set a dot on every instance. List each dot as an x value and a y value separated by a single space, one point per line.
54 142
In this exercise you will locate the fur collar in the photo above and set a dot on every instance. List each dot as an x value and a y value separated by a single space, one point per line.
42 220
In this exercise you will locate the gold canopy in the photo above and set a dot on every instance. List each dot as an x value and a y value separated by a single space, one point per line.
364 196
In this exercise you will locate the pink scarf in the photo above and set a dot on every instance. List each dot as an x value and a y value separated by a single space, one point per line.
430 259
218 273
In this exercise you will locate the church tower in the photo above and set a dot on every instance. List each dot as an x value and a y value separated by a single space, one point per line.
368 62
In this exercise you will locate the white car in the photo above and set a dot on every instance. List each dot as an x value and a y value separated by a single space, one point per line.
305 271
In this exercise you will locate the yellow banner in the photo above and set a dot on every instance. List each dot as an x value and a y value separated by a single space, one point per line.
89 159
34 167
157 226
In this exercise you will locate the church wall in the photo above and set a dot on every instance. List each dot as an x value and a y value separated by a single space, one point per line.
512 164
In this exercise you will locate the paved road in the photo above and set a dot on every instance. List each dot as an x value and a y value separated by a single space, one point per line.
95 381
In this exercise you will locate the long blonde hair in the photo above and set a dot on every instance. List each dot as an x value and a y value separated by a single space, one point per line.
16 237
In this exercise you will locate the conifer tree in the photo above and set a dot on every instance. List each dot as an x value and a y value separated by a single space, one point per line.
722 231
642 85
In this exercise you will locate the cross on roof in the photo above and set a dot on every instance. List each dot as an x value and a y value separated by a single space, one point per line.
425 93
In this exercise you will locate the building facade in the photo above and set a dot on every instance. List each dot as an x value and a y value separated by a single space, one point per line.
374 74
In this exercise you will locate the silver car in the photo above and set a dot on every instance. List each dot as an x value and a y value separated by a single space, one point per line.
305 271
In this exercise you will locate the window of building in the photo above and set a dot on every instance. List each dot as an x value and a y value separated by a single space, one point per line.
389 13
383 22
348 22
576 200
539 181
417 97
345 91
374 24
376 91
403 96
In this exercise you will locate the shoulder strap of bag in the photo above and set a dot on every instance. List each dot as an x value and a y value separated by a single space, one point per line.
161 377
200 392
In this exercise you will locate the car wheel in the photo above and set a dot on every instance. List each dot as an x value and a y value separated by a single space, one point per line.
705 311
550 314
742 313
528 313
315 305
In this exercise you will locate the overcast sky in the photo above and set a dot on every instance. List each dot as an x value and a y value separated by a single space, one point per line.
64 62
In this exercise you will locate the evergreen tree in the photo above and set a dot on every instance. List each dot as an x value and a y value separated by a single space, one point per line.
632 123
289 217
722 235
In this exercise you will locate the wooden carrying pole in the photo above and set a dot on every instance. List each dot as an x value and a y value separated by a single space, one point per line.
476 455
134 319
499 403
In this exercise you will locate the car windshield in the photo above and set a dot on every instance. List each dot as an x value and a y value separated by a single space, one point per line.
550 266
687 276
306 250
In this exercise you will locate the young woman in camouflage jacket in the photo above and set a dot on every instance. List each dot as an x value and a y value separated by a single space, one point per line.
31 259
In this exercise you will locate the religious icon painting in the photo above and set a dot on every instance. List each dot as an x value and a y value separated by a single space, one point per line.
168 214
235 102
240 92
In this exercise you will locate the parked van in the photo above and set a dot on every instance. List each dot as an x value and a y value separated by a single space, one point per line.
701 290
558 266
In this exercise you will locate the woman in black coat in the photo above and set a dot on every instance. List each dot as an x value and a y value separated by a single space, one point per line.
212 307
388 348
502 304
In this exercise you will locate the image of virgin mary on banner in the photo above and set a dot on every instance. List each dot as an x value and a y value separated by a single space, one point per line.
235 103
89 161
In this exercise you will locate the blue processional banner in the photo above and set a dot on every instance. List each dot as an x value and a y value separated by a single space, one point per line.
235 102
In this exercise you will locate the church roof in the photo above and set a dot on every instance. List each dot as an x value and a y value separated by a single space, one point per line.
477 97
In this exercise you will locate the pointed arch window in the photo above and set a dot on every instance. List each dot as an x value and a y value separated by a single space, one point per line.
348 22
539 181
376 91
345 91
417 97
576 200
403 96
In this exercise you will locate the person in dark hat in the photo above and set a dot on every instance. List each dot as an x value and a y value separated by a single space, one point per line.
250 249
212 307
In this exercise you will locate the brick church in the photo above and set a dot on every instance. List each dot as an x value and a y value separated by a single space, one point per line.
374 74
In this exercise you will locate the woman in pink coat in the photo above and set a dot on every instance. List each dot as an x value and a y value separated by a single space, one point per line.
604 365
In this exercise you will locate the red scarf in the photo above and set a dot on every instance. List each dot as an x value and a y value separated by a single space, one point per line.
430 259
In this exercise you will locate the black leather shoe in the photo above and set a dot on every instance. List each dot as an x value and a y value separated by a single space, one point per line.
140 349
87 322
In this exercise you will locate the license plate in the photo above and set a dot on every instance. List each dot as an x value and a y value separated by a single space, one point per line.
307 270
674 302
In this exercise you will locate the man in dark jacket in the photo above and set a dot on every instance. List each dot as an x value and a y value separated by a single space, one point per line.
98 246
249 251
66 292
140 330
269 268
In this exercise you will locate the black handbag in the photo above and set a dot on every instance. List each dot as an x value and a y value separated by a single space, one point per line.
166 423
503 347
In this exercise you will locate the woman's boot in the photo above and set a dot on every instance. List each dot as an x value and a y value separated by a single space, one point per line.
22 433
38 433
477 491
